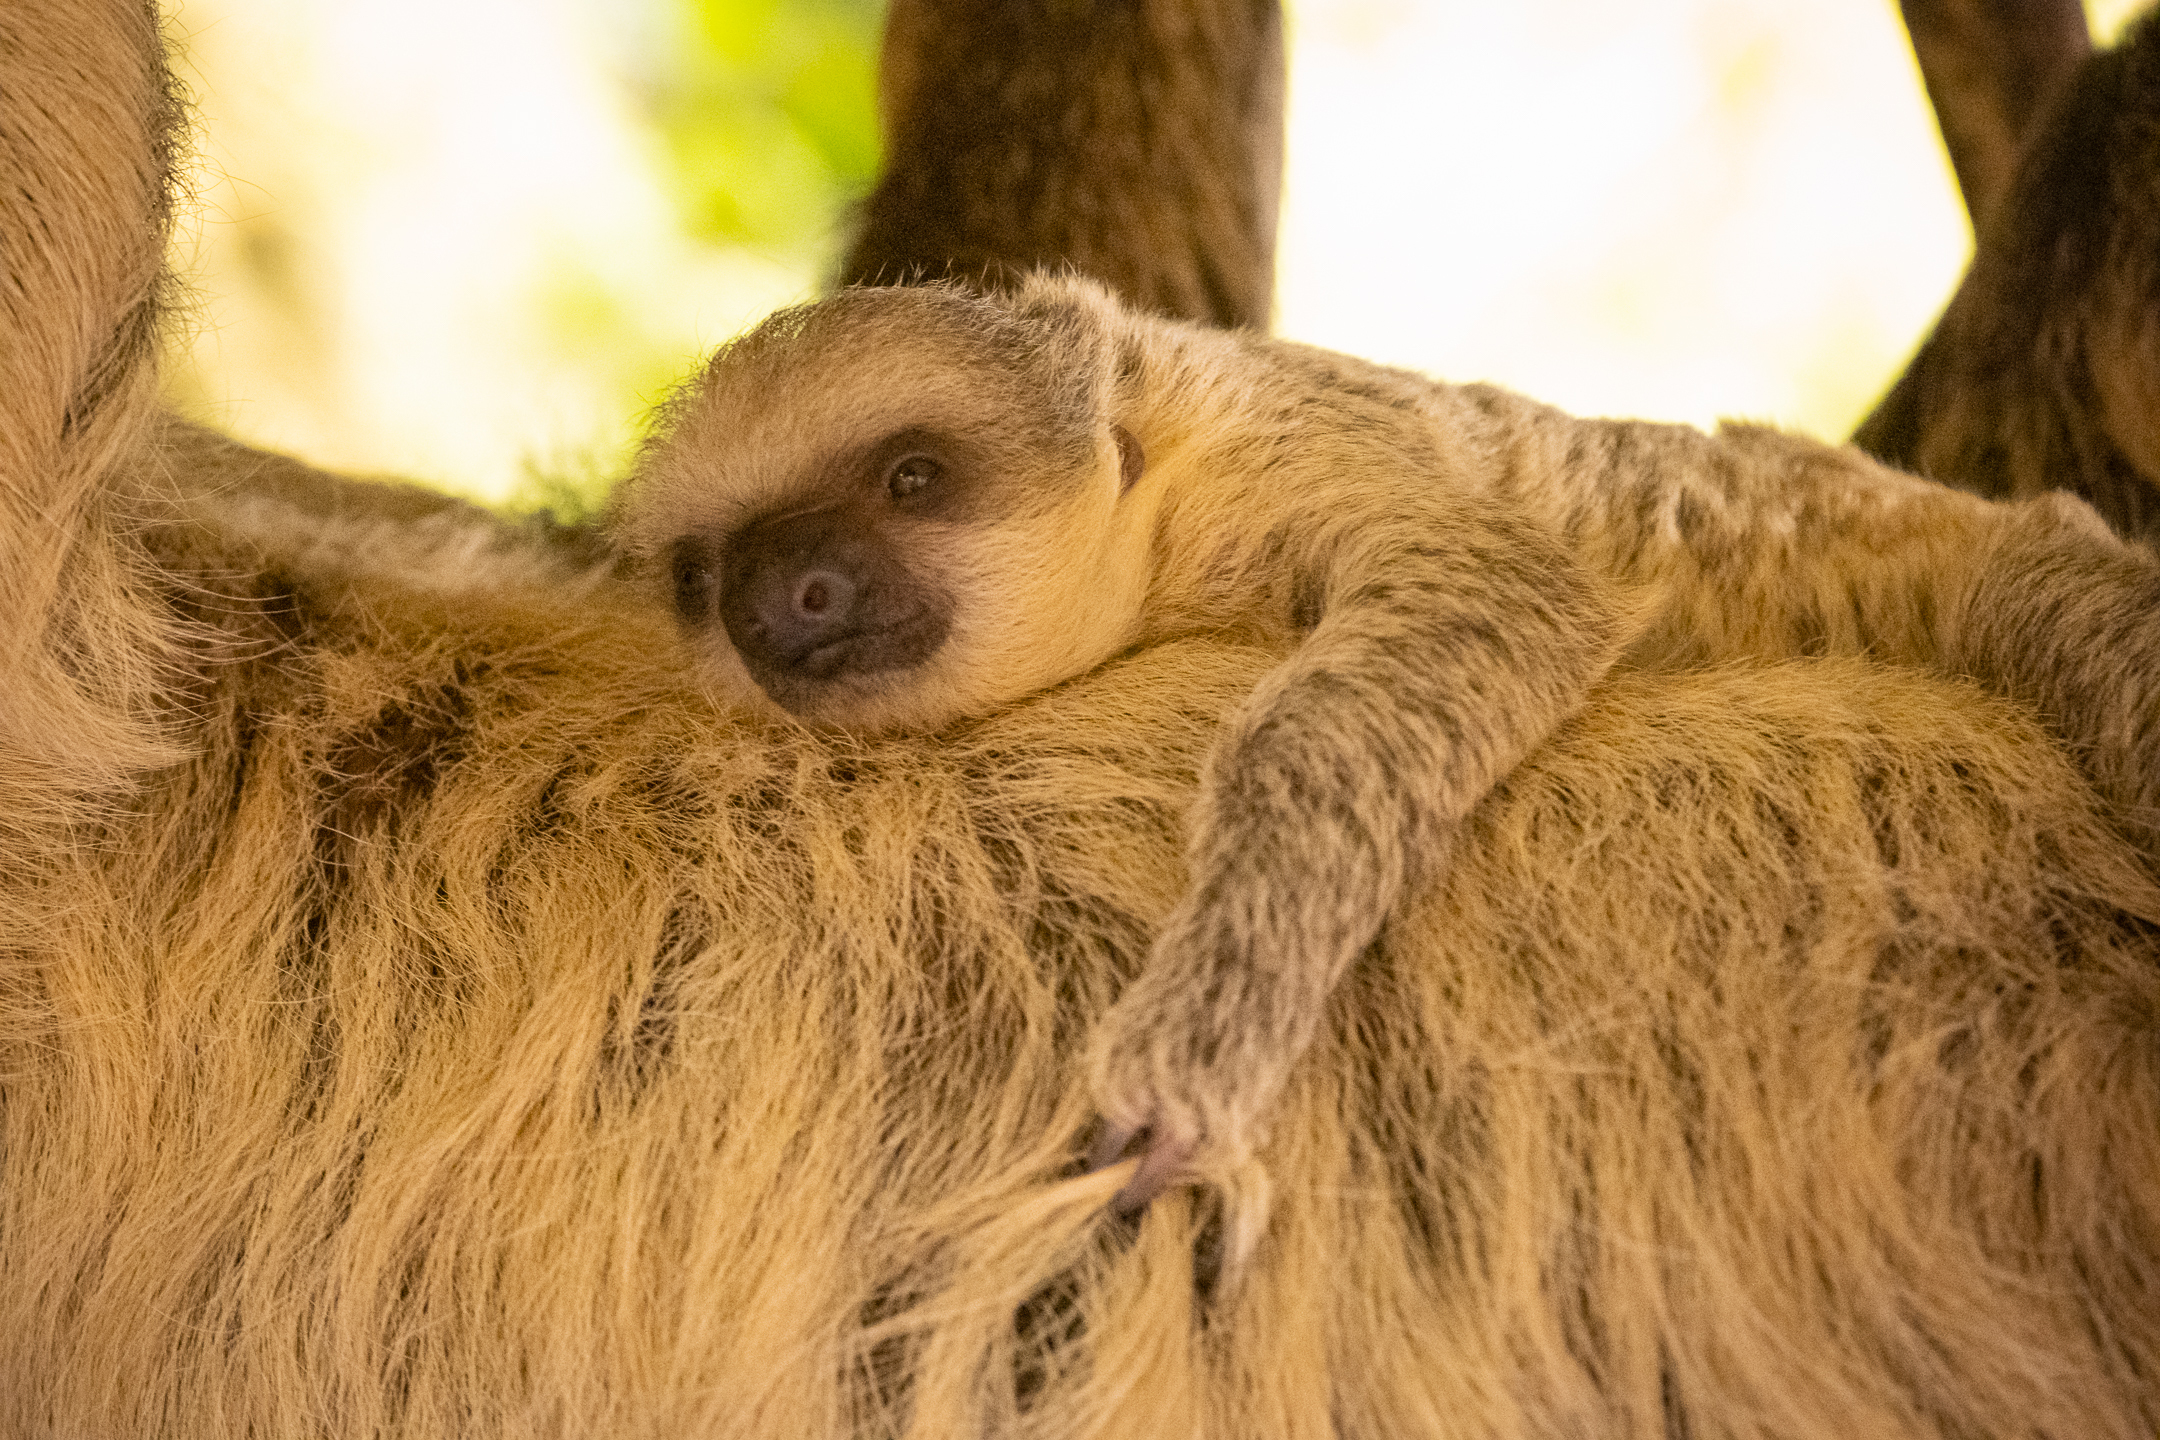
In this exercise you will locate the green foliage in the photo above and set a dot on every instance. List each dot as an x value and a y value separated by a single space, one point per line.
767 111
563 493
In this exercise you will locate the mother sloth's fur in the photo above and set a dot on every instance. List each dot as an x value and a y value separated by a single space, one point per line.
472 1033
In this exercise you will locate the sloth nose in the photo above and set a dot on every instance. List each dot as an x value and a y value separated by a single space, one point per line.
819 594
785 614
813 601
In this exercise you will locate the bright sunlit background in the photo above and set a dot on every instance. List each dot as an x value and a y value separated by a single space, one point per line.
472 241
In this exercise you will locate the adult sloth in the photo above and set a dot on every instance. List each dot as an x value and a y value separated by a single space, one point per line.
420 1016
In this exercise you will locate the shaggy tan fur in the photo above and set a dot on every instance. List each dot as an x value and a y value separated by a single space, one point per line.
86 124
473 1032
660 1073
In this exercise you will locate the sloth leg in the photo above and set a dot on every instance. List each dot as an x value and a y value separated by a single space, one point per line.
1434 669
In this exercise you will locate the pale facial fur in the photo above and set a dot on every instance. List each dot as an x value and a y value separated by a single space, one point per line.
1018 563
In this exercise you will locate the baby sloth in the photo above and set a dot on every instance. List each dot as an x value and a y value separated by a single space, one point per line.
899 507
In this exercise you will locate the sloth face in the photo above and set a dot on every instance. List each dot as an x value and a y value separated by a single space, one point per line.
903 596
890 524
835 599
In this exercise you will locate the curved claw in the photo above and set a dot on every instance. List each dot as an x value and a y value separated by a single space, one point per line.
1162 1156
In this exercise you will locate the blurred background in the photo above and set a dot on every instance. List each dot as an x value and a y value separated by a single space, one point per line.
474 241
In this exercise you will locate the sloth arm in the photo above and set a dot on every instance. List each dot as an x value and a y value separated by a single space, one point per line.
1443 637
1466 579
1757 544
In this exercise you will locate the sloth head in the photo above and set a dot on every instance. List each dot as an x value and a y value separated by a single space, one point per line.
897 507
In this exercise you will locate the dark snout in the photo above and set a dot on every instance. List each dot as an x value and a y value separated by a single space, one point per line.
795 615
810 599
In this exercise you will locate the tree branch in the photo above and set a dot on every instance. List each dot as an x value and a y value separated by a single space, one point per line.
1990 65
1139 142
2044 371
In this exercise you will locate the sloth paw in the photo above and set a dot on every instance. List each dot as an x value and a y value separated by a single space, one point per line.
1183 1121
1185 1089
1163 1153
1188 1122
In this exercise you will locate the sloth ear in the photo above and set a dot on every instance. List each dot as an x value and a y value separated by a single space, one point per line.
1131 458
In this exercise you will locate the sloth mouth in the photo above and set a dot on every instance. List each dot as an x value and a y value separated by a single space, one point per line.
831 659
801 680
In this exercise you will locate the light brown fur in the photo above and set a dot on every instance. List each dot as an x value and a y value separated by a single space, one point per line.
474 1033
82 210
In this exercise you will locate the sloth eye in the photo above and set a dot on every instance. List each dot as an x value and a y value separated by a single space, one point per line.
911 475
693 583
